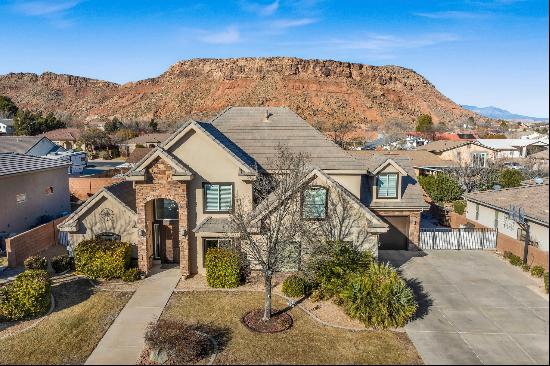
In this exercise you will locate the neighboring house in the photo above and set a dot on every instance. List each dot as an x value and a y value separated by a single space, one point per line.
461 152
6 126
177 199
147 140
540 160
68 138
33 190
513 148
423 162
137 154
42 146
491 209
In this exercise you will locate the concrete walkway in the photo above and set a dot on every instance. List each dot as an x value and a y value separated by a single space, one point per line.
124 340
477 309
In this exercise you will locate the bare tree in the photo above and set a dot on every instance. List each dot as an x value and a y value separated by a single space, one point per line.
269 232
475 178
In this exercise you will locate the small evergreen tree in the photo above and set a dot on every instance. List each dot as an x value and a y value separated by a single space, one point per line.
510 178
424 123
153 125
113 125
8 109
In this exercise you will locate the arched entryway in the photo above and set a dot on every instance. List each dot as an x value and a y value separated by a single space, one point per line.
162 227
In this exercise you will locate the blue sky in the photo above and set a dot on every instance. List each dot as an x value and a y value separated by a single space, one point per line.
492 52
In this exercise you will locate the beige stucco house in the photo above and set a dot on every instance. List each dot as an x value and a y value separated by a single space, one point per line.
462 152
177 200
33 190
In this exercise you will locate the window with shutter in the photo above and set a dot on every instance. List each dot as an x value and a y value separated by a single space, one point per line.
387 185
218 197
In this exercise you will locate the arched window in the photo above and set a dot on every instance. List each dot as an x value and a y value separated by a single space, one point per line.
166 209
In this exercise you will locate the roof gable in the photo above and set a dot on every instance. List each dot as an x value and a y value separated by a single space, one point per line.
391 162
180 171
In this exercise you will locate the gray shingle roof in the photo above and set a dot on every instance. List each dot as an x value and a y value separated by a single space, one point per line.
7 121
443 145
213 225
125 192
148 138
18 144
247 128
13 163
531 198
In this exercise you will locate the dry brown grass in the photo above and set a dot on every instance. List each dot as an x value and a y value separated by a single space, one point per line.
307 342
3 261
71 332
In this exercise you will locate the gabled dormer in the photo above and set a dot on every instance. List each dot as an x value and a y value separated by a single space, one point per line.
387 181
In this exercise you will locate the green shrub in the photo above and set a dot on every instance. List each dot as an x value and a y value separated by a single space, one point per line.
131 275
102 258
333 273
510 178
546 281
295 286
537 271
379 297
515 260
28 295
223 268
36 262
525 267
441 187
61 263
459 207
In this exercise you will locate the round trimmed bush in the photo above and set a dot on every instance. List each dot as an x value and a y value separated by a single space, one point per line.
379 298
102 258
223 268
295 286
515 260
546 281
28 295
36 262
61 263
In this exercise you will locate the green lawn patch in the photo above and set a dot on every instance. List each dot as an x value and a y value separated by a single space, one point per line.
307 342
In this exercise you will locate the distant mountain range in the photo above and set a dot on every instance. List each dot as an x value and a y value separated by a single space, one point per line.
499 113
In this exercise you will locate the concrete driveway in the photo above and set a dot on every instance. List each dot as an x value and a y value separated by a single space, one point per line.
475 309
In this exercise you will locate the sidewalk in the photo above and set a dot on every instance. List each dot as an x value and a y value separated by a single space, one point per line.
124 340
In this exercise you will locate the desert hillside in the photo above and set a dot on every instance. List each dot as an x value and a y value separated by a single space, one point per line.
317 90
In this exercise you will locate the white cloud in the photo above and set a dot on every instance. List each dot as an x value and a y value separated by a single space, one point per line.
227 36
44 8
291 23
451 14
384 42
261 9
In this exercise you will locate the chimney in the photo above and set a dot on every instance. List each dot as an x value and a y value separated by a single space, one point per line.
267 115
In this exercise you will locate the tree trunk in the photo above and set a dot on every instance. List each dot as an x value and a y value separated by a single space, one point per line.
267 297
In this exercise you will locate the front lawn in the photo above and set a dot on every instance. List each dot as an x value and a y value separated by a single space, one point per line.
307 342
3 261
71 332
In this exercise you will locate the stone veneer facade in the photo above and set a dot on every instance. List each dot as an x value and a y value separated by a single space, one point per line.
159 184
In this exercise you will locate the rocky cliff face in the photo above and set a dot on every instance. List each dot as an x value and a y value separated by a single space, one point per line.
317 90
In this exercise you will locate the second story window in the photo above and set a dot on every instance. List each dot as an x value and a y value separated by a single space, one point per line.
386 185
314 203
218 197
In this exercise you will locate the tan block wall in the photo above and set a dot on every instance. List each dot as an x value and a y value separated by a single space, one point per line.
83 188
32 242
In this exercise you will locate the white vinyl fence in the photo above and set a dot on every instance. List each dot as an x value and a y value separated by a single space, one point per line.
458 239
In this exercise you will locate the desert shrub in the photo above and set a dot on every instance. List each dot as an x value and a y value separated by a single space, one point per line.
507 254
36 262
223 268
441 187
515 260
106 155
102 258
459 207
537 271
332 274
525 267
131 275
510 178
28 295
61 263
546 281
379 297
295 286
180 342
